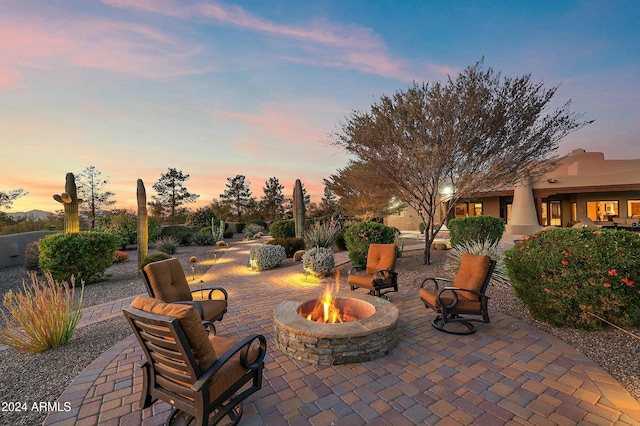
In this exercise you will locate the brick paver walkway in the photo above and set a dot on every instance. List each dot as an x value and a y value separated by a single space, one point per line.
507 373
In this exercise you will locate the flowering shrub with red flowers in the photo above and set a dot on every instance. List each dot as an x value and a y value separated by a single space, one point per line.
120 256
85 255
360 235
569 277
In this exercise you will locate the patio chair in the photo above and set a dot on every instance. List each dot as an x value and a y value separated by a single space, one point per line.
203 376
165 280
464 296
379 273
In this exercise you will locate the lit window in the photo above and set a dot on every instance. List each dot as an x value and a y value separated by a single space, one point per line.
633 209
602 211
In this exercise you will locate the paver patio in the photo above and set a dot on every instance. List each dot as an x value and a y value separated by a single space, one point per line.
509 372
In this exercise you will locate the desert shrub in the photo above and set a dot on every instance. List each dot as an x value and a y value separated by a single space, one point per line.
291 245
202 238
261 223
201 218
240 227
566 276
156 257
85 255
43 316
182 234
283 228
318 261
120 223
252 230
154 228
297 256
494 251
360 235
322 234
266 257
228 233
31 256
221 243
167 244
120 256
421 227
476 228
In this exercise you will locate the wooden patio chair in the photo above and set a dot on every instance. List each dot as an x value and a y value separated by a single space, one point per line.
165 280
203 376
379 274
464 296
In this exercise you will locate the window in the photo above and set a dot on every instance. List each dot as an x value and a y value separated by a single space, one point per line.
508 218
602 211
551 213
633 209
461 210
574 212
477 209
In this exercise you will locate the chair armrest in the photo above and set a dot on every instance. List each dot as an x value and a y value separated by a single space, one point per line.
355 269
194 304
243 347
454 290
212 290
381 274
435 281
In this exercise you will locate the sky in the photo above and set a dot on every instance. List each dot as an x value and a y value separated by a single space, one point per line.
257 88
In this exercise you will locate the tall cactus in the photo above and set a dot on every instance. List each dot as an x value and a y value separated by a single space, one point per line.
298 208
69 198
143 223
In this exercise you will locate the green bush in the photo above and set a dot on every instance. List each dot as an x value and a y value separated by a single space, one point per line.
119 223
85 255
283 228
266 257
566 276
201 218
476 228
181 233
240 227
228 233
260 222
341 243
360 235
291 245
156 257
421 227
318 261
253 230
202 238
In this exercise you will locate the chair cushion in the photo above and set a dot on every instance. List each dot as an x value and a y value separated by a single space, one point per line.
428 295
167 279
232 370
212 308
471 275
381 257
191 325
362 280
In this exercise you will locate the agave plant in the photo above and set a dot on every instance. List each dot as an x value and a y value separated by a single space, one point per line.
481 248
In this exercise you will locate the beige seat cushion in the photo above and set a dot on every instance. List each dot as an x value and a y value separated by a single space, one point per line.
231 371
191 325
167 279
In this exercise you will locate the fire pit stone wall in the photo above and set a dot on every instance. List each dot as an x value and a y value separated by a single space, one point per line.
355 341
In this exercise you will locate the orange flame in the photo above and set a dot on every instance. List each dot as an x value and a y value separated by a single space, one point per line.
326 310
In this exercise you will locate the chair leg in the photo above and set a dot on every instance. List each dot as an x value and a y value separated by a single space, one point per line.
439 323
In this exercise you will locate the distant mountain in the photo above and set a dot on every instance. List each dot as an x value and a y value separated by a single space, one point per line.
34 214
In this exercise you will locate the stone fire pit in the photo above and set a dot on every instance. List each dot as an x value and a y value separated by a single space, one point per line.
354 341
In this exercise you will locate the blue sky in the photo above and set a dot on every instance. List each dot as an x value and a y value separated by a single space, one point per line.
217 89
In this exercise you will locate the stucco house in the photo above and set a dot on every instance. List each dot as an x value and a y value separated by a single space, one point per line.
584 187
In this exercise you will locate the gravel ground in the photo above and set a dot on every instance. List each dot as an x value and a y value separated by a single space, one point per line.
43 377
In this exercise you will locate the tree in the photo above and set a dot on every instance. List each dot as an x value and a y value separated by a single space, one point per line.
171 193
7 198
329 202
473 134
90 184
363 192
272 202
238 195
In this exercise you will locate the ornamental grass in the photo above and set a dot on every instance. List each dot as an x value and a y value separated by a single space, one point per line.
43 316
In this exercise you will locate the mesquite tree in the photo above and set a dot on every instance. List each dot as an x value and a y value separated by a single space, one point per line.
472 134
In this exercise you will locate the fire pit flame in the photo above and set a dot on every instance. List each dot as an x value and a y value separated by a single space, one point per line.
326 310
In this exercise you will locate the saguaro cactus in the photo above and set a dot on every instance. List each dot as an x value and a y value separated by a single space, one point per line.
298 208
70 200
143 223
